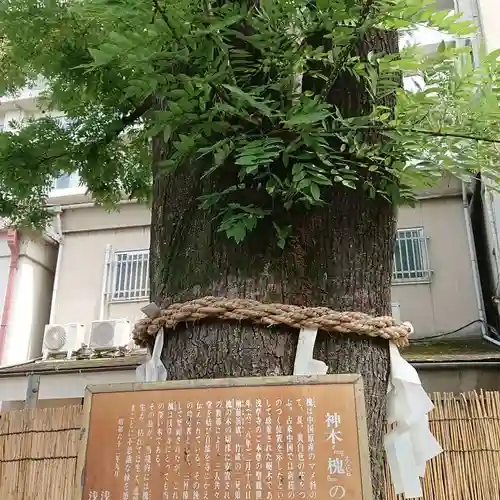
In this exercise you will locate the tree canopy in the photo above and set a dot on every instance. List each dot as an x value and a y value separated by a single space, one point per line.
222 84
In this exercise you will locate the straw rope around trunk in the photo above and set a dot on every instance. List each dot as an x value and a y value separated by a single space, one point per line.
322 318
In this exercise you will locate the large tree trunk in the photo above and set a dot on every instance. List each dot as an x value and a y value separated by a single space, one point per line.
340 256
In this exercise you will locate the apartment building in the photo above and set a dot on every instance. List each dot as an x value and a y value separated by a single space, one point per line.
113 282
87 278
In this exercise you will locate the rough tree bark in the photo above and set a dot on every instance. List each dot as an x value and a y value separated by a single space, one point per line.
340 256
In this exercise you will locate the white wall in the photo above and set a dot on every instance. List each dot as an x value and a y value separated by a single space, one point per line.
16 112
4 270
31 298
86 233
448 301
60 386
489 15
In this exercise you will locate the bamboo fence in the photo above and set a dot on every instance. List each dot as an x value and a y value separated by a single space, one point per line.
468 428
38 451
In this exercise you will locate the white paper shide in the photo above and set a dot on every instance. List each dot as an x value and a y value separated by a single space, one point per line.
153 369
410 444
304 362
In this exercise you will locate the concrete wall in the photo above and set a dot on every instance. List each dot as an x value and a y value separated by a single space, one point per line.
460 378
86 233
31 300
448 301
41 403
57 387
4 268
489 13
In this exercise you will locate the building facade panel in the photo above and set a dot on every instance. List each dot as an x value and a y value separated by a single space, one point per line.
94 284
30 298
447 300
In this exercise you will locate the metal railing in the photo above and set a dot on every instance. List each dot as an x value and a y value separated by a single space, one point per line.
130 276
411 258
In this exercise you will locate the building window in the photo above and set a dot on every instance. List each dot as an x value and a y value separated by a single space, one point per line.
67 181
411 262
130 276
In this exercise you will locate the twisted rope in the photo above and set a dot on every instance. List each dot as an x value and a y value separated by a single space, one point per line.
253 311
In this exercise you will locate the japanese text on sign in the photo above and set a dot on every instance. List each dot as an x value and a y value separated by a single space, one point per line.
225 443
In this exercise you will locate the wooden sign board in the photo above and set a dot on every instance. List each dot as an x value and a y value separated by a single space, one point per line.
253 438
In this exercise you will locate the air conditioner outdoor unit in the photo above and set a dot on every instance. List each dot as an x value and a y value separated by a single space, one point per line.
62 338
396 310
109 334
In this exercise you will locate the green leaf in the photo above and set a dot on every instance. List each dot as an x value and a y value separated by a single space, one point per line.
167 132
315 191
237 232
100 57
249 99
283 233
307 118
214 96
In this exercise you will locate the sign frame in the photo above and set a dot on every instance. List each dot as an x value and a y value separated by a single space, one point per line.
336 379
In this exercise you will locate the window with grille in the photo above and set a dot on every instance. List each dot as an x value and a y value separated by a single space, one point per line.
130 275
411 262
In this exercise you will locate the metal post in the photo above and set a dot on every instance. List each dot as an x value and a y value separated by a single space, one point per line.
32 391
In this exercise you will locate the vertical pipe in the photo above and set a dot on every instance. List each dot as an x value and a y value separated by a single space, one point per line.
105 276
60 241
475 268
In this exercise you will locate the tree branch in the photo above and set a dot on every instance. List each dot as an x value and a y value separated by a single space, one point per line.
118 126
456 135
432 133
157 9
363 17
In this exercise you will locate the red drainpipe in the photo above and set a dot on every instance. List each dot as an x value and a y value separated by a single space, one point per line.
13 242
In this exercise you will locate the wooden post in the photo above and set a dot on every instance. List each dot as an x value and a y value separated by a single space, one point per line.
32 391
